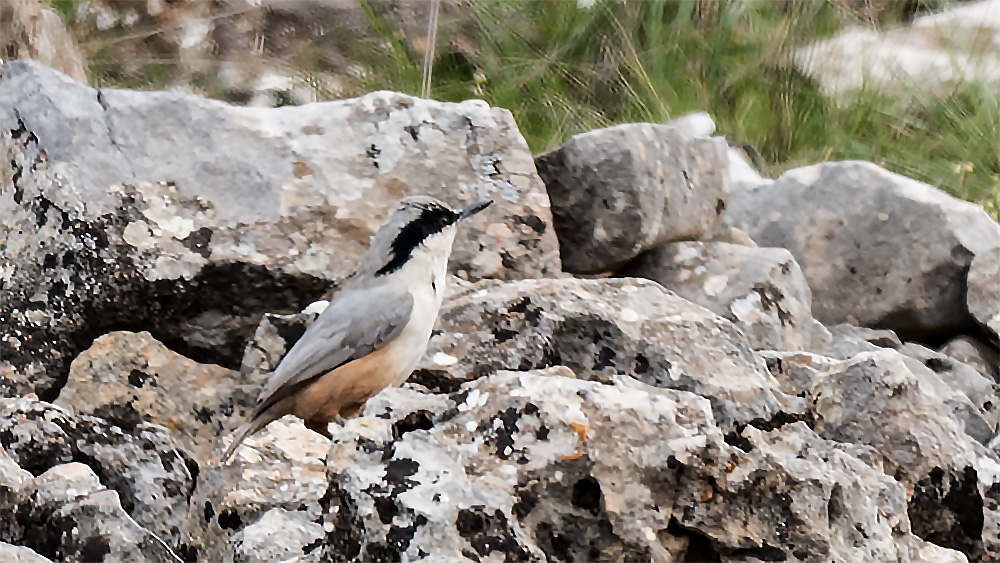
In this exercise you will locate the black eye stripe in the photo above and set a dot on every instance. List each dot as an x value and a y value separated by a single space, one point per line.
433 219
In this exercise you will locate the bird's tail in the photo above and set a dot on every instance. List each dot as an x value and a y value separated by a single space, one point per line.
259 419
248 428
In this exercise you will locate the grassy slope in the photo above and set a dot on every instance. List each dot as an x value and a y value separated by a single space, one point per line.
562 69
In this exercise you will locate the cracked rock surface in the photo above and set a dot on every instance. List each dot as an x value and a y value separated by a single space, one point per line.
128 378
761 290
878 249
598 328
67 514
143 467
191 218
557 468
984 290
161 253
621 190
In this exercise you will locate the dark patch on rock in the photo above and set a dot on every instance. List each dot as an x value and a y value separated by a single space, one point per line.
188 553
344 535
489 532
771 298
948 511
700 548
229 519
436 381
587 495
738 441
94 548
198 242
137 378
417 420
122 414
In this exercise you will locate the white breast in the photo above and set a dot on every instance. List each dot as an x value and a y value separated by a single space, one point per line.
425 274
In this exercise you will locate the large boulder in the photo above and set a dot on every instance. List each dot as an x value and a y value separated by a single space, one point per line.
127 378
980 389
66 514
279 535
878 249
761 290
279 468
20 554
984 291
543 466
618 191
190 218
598 328
143 467
879 399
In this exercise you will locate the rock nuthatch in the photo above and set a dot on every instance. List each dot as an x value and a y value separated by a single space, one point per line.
376 328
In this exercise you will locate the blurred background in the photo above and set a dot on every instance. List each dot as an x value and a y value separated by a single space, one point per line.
911 85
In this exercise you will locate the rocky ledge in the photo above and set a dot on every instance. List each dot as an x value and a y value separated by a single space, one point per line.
796 369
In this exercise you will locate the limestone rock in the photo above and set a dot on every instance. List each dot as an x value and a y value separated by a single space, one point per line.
974 353
878 399
622 190
980 389
279 535
144 467
66 514
190 218
599 328
761 290
19 554
844 223
933 53
556 468
279 467
31 29
127 378
984 290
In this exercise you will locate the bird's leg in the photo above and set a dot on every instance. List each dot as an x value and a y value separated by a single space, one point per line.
321 427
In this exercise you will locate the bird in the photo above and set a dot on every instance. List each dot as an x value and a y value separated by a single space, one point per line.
375 329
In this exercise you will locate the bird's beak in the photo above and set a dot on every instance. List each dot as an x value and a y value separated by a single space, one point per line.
471 210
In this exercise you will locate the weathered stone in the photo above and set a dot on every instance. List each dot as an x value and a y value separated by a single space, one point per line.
980 389
20 554
844 223
761 290
740 168
599 328
144 466
279 535
190 218
881 338
127 378
31 29
279 467
66 514
984 290
975 353
12 477
880 400
619 191
555 468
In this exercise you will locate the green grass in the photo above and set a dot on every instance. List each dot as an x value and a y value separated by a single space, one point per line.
562 69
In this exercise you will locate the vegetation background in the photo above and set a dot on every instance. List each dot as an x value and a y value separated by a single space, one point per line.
564 66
